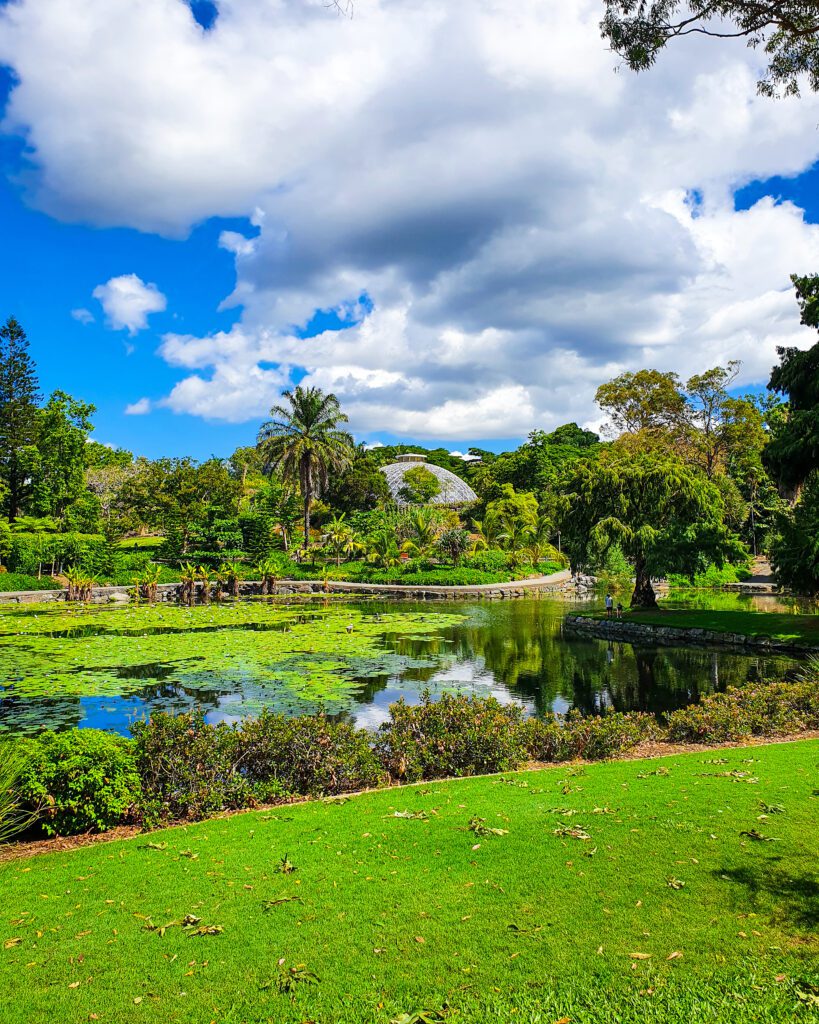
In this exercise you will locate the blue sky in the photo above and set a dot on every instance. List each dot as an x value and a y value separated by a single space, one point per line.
490 295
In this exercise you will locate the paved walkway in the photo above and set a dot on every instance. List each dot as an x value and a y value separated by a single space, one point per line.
515 588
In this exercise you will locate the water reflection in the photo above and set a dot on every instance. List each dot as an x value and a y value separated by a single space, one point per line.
515 650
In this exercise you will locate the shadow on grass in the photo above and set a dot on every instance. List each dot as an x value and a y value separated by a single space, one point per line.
791 899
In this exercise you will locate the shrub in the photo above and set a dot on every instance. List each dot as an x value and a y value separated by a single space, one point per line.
766 710
85 780
488 561
30 553
10 581
310 755
188 768
14 817
456 735
592 737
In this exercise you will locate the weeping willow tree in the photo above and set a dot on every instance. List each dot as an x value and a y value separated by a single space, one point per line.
304 442
665 517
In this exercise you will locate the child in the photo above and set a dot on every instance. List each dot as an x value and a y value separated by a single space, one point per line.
609 605
619 609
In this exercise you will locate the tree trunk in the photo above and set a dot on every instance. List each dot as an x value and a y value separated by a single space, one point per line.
308 497
643 596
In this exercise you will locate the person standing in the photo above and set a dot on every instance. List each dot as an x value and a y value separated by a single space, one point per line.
609 605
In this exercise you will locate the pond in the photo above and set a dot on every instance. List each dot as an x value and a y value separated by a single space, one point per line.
63 666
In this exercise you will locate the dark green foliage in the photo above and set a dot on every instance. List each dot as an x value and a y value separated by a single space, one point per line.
420 486
793 452
786 31
361 488
454 544
33 553
188 768
795 547
771 710
85 780
59 477
308 755
19 422
592 738
10 581
456 735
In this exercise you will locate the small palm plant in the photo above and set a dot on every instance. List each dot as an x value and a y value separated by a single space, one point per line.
80 585
383 550
147 582
203 576
337 534
269 573
231 572
187 589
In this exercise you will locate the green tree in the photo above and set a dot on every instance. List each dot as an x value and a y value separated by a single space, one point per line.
786 31
338 534
645 400
709 404
793 452
304 442
420 486
19 421
59 479
666 517
360 487
795 548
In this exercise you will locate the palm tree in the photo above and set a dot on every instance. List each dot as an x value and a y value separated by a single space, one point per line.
304 441
337 533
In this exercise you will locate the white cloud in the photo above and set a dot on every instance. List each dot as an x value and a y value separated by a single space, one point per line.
127 302
514 210
84 316
139 408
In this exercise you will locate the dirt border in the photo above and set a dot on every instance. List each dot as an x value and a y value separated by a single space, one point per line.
642 752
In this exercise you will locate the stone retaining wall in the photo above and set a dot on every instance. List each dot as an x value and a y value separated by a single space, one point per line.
285 588
674 636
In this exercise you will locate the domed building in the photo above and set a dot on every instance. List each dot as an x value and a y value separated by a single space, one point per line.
453 490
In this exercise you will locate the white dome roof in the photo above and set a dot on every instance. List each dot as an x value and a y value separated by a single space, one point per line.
454 491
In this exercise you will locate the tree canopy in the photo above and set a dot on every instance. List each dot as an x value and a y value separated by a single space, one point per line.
786 31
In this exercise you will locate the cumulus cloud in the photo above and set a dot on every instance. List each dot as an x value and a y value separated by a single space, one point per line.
139 408
127 301
524 222
83 316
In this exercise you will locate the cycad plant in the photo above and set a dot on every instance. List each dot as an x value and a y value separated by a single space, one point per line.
80 585
203 577
187 589
147 582
304 442
269 573
230 572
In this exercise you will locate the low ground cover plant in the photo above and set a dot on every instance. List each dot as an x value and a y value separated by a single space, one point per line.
11 581
180 767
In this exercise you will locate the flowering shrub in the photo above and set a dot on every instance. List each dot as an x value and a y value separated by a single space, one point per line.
593 738
768 710
309 756
456 735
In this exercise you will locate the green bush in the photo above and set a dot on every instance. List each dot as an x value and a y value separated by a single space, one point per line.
766 710
189 769
712 576
592 737
456 735
309 755
10 581
488 561
30 553
85 780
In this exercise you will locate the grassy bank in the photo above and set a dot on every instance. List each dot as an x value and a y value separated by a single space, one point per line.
668 912
780 626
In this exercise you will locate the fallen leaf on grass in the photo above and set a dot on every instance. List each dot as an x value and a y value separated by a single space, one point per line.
270 904
674 883
480 828
640 956
11 943
572 832
753 834
420 938
154 846
675 955
74 984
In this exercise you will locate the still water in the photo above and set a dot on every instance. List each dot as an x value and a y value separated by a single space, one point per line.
107 667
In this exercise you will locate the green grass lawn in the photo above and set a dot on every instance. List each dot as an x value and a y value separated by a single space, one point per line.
777 625
140 543
666 913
